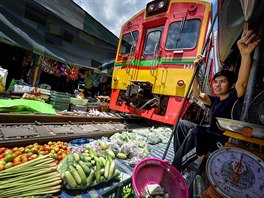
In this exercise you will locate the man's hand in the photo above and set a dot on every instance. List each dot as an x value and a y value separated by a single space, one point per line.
248 42
199 60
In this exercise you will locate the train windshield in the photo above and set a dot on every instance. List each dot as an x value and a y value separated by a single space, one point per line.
153 39
128 43
183 34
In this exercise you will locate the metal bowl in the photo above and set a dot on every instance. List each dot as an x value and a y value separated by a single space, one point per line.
238 126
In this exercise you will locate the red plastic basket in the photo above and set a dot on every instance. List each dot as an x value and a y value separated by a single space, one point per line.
157 171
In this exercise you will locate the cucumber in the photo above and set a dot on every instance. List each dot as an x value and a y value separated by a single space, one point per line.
102 171
81 173
103 160
85 155
75 175
111 153
102 178
93 162
85 168
109 158
76 157
111 170
103 145
98 171
70 158
106 169
70 180
98 160
92 153
87 159
89 164
117 173
90 178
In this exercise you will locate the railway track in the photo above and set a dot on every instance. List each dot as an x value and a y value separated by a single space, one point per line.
20 129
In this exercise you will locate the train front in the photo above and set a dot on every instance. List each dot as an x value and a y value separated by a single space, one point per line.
153 66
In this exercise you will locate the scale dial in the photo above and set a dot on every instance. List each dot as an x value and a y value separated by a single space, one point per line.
236 173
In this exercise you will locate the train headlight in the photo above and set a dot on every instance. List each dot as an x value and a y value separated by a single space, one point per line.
156 7
161 4
180 83
151 7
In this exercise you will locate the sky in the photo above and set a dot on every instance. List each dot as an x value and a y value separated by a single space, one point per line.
112 13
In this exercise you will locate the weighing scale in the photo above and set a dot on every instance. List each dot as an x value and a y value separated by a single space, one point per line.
235 172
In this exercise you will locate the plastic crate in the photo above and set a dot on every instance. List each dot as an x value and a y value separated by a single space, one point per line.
117 190
59 100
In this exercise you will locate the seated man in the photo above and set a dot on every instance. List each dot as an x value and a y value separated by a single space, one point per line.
191 140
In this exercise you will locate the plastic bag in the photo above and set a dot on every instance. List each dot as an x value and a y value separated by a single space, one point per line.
3 76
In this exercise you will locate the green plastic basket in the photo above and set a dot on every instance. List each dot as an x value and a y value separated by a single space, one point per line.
117 190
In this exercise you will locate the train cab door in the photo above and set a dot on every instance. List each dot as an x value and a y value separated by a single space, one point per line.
180 48
150 53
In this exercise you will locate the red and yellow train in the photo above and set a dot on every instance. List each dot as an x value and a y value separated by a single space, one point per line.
153 66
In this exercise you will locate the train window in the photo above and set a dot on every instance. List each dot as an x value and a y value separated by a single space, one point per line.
183 34
128 43
153 38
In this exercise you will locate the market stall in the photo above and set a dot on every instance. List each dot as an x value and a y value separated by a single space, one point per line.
64 86
114 158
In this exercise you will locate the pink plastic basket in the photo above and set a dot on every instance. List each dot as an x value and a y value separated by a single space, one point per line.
157 171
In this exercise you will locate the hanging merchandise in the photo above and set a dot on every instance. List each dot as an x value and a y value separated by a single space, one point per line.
57 68
88 80
73 73
96 80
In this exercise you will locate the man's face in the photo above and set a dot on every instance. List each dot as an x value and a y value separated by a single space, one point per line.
221 85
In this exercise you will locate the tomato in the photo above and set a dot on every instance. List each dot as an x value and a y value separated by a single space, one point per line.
22 149
64 147
3 149
2 156
30 158
17 163
41 148
9 158
8 165
34 150
17 153
27 150
2 167
8 151
54 155
17 159
36 144
47 148
59 157
56 149
34 156
14 149
2 162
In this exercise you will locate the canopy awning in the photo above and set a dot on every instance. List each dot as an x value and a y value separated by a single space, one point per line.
58 29
232 15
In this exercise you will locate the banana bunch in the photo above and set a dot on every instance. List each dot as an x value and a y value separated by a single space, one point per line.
83 170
